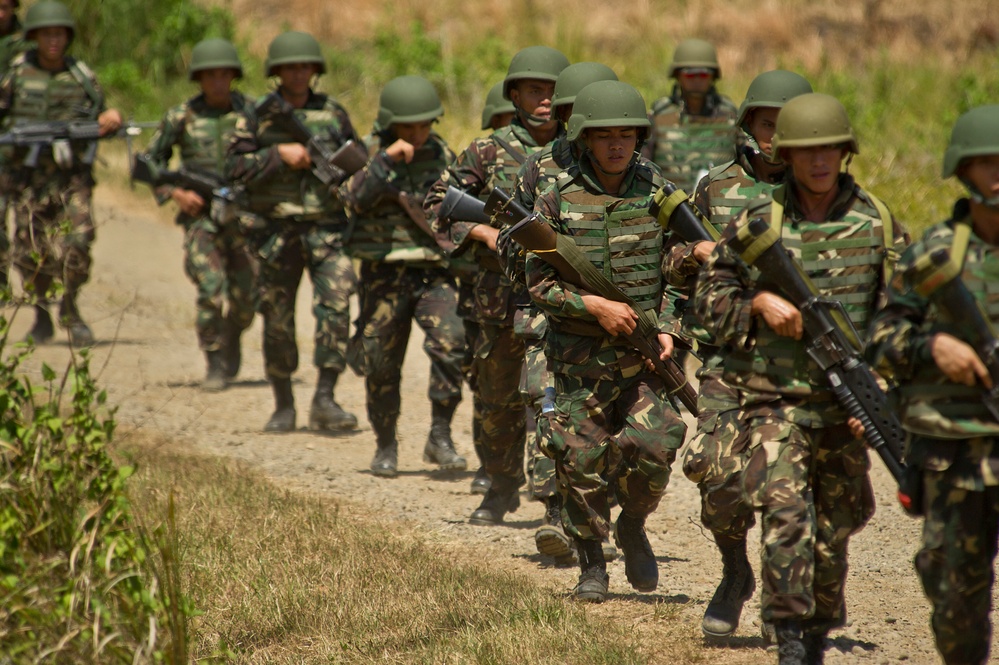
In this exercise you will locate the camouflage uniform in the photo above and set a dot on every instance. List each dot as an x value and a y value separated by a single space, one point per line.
11 44
954 441
403 277
53 228
216 257
614 424
805 471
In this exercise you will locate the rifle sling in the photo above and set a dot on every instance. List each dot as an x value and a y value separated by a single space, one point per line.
516 154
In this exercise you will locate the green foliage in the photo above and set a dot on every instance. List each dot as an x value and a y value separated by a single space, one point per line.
80 581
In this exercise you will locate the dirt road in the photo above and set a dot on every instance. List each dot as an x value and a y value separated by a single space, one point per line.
140 306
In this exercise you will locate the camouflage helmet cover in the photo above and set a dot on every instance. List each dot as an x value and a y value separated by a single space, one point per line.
772 89
49 14
534 62
495 105
975 133
291 48
577 76
408 99
813 119
608 104
214 54
694 53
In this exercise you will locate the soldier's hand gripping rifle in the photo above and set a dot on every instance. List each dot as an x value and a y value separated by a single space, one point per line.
48 133
831 342
332 167
572 266
224 199
672 207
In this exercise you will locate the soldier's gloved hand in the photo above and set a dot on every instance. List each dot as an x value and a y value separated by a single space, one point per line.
616 318
190 202
110 121
782 317
295 155
401 150
958 361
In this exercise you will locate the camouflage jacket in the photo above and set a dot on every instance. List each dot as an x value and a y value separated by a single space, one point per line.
201 133
932 405
845 257
274 190
11 44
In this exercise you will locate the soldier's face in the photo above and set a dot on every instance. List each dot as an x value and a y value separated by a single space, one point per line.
982 173
413 133
296 77
695 80
612 147
762 124
816 168
216 84
52 44
533 96
6 14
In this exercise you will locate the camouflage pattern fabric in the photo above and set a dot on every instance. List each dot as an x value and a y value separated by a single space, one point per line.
11 44
533 381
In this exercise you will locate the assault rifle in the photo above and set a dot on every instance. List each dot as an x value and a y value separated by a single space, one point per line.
49 133
331 167
832 343
672 207
224 198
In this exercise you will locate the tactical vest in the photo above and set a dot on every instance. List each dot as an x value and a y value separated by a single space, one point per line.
386 233
298 194
843 258
932 405
687 145
205 136
730 190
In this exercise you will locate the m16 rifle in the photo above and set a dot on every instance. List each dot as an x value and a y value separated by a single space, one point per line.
51 133
224 199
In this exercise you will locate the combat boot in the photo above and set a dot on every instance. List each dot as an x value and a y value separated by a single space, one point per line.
440 448
815 648
325 413
80 334
42 331
283 418
386 459
790 643
481 482
640 565
593 578
550 537
215 378
721 618
232 354
503 497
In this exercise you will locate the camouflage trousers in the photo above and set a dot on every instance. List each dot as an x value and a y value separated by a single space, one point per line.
470 324
499 361
619 430
54 230
284 250
955 562
392 296
716 457
530 325
218 262
812 487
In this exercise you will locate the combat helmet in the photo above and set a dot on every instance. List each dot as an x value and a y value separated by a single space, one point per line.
293 47
534 62
975 133
214 54
608 104
408 99
495 105
694 53
49 14
813 119
577 76
772 90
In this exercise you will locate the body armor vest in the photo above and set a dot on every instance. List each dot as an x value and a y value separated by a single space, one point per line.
687 145
206 134
730 190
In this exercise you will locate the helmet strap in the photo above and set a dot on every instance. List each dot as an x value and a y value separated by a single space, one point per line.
531 120
978 197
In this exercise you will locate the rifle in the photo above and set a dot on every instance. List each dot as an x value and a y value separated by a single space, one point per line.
331 167
572 266
672 207
44 134
224 198
833 350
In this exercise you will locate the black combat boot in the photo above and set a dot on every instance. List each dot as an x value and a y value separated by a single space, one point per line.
232 354
215 378
790 644
386 459
815 648
481 482
503 497
593 578
640 565
440 448
283 418
550 537
42 331
325 413
80 334
721 618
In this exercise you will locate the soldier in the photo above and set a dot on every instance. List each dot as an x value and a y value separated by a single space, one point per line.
498 111
710 460
537 174
694 127
298 224
614 423
403 276
807 470
11 42
499 353
215 254
953 449
53 228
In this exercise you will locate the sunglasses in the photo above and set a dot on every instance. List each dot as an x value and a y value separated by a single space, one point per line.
695 73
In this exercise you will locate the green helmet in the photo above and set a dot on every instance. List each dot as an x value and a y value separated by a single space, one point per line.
772 90
534 62
694 53
408 99
49 14
813 119
291 48
975 133
495 105
576 77
608 104
214 54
